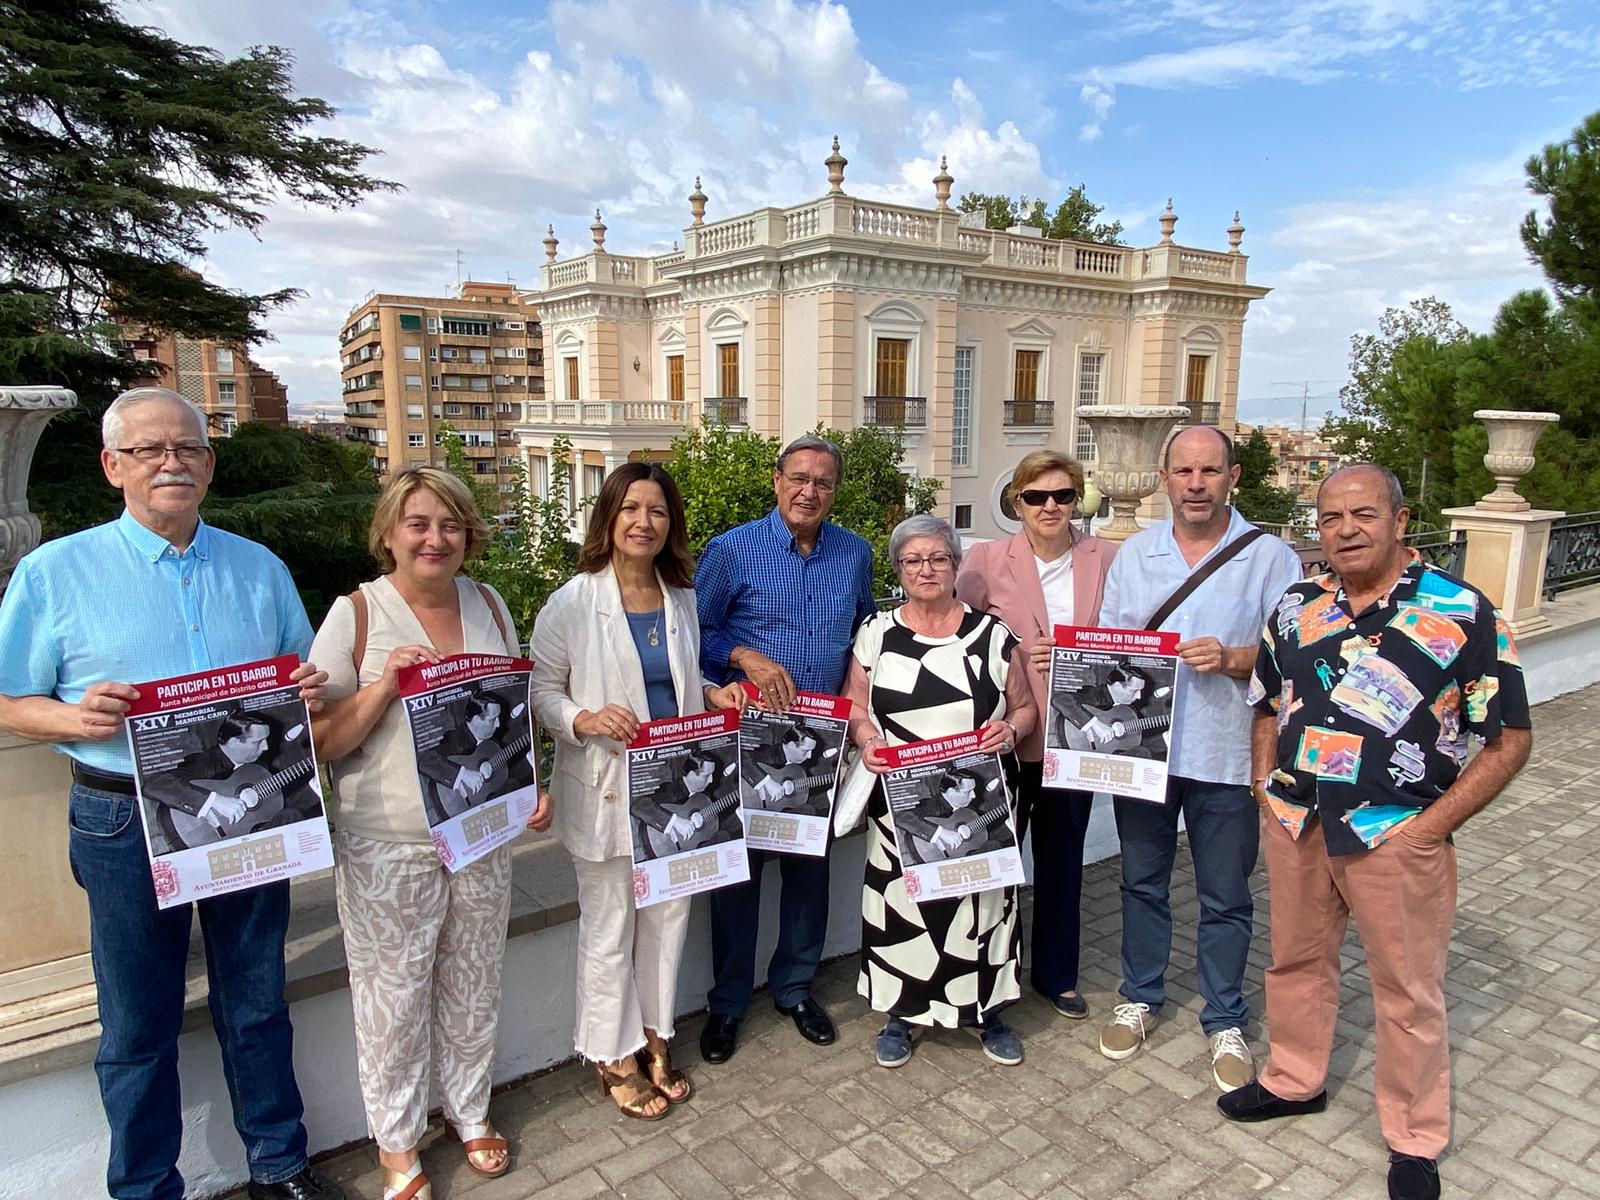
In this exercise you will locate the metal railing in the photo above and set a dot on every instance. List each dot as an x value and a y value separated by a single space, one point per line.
1574 553
1036 413
895 410
726 410
1442 548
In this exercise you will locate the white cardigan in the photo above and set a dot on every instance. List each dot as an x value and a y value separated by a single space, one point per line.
584 658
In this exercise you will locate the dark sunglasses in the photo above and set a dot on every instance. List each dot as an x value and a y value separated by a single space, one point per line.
1035 497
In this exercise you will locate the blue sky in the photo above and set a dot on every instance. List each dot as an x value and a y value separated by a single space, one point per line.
1373 147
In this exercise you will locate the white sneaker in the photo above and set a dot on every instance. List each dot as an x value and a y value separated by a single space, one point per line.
1130 1025
1231 1064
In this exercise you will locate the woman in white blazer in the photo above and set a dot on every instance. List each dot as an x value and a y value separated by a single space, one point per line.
616 645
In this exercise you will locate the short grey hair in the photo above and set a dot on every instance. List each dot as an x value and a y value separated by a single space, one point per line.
812 441
1391 483
923 525
111 422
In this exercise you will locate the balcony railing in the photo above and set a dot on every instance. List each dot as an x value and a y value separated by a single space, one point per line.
1574 553
902 411
671 413
726 410
1204 414
1030 414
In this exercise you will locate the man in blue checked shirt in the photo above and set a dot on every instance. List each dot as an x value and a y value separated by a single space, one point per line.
153 594
779 602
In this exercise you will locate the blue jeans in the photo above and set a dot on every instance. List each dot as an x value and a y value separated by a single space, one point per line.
802 929
1224 837
1060 823
139 952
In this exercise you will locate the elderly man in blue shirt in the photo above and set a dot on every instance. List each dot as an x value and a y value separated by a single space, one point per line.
153 594
1220 624
779 601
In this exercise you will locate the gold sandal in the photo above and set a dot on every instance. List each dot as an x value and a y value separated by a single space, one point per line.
644 1092
657 1064
481 1138
408 1184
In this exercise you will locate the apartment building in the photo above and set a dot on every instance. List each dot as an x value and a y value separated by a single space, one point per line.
220 377
977 345
412 363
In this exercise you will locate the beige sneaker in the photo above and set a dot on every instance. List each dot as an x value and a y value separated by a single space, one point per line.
1231 1064
1130 1025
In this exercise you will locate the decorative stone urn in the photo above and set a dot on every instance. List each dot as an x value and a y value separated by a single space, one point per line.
1128 440
1512 436
23 414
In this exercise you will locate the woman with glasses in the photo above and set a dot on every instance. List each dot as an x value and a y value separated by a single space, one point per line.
424 945
1047 575
931 668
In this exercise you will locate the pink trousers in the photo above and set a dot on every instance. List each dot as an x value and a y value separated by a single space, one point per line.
1403 896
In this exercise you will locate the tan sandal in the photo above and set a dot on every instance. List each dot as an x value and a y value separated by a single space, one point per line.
481 1138
657 1066
644 1092
408 1184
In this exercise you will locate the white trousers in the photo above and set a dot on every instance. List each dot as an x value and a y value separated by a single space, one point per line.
425 949
627 961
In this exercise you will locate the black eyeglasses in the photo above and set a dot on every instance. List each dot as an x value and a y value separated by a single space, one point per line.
188 454
1035 497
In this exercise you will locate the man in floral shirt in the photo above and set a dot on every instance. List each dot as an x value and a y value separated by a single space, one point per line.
1368 681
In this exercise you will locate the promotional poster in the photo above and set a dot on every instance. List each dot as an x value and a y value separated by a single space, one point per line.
789 764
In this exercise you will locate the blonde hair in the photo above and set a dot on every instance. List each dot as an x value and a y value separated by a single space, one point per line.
1036 464
452 493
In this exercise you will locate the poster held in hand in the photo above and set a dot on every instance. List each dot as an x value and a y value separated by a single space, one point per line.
789 764
227 782
473 738
1112 694
683 801
952 818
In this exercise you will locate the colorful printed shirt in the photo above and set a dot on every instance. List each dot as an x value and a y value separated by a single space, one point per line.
1374 708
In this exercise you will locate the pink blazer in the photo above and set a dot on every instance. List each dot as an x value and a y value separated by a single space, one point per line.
1001 577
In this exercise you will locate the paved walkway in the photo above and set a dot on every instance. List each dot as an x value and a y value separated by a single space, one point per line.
787 1119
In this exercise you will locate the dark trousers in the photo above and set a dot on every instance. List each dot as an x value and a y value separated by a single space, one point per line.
1059 821
1224 828
802 928
139 952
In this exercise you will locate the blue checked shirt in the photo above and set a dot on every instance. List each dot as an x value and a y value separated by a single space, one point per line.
754 588
117 603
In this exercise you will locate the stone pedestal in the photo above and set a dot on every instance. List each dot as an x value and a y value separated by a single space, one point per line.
1506 555
23 414
1128 439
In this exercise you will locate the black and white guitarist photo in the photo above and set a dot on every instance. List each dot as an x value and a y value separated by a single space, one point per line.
698 809
481 758
1121 713
961 815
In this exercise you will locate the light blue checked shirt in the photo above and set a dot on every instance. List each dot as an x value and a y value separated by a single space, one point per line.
1211 723
119 603
754 588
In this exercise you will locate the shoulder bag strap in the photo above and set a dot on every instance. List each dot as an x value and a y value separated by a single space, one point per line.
494 611
1187 587
358 650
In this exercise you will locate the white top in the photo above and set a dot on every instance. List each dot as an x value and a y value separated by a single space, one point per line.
375 790
1211 721
1056 580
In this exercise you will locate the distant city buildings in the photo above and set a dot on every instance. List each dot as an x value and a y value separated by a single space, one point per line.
220 378
412 363
1304 459
977 345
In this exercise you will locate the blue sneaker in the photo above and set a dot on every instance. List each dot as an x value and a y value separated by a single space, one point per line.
1000 1042
894 1044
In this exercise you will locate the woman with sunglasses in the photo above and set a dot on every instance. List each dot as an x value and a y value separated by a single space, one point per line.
1049 574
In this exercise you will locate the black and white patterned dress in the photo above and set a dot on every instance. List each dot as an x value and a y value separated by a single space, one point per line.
948 962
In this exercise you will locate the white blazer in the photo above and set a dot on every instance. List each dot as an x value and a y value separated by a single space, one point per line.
584 658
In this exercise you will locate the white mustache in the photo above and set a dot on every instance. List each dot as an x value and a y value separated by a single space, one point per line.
166 477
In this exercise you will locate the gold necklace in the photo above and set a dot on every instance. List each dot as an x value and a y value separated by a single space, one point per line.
655 630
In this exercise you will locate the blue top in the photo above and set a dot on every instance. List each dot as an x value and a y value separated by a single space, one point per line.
754 588
1211 723
658 689
119 603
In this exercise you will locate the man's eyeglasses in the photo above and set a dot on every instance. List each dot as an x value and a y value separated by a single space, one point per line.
1035 497
188 454
801 482
939 562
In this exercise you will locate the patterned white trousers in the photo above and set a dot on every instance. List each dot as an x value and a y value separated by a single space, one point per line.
424 949
627 962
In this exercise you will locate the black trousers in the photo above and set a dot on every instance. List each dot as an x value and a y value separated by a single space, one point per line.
1059 821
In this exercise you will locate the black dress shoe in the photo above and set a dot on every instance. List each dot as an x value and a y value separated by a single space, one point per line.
1253 1102
812 1020
719 1037
1412 1177
307 1185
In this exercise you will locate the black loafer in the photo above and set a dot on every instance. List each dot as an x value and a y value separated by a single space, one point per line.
1253 1102
307 1185
1412 1177
719 1037
1074 1007
812 1020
